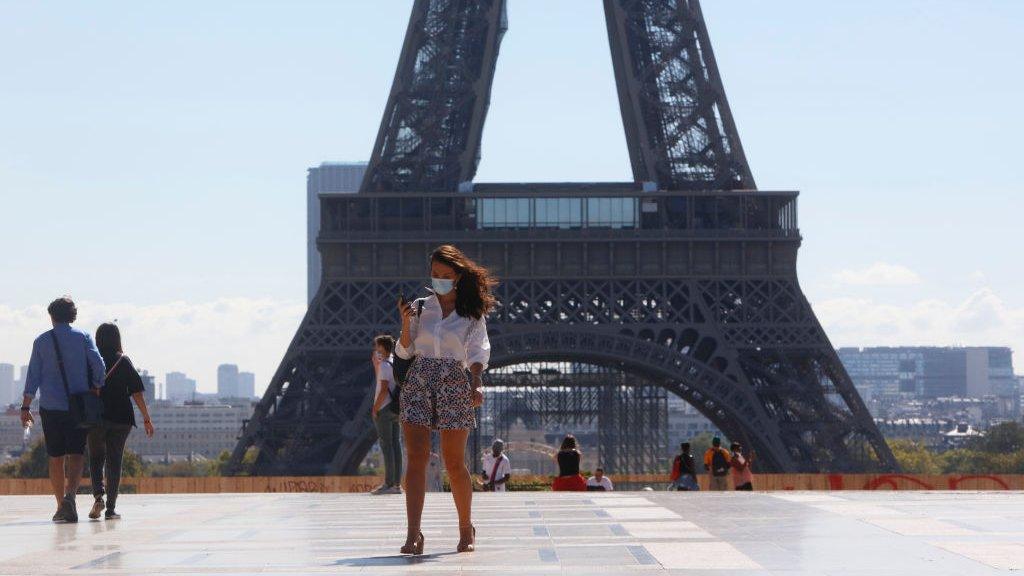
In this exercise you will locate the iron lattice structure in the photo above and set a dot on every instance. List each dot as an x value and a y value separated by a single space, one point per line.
622 417
685 277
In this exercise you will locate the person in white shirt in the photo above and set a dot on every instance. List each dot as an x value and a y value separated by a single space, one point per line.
385 415
497 468
435 483
599 481
445 335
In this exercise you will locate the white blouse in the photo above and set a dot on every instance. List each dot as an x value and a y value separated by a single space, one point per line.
455 337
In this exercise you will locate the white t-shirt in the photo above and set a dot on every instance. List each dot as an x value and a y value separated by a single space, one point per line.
434 481
454 337
384 372
604 482
504 467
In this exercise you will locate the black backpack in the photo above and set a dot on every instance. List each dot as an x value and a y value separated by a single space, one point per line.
719 463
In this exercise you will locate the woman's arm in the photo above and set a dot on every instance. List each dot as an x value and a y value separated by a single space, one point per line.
140 401
478 347
476 383
478 353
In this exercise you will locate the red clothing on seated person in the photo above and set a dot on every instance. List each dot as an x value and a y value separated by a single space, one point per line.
569 484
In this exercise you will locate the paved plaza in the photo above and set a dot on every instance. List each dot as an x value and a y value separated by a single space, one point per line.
877 533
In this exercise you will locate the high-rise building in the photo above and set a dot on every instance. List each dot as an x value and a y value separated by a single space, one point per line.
227 381
931 372
327 178
19 383
179 387
884 371
149 384
7 385
192 428
246 385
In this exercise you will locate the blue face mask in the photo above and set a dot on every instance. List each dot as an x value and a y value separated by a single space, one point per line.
442 286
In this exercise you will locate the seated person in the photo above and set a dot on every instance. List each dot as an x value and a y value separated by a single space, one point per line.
569 478
599 482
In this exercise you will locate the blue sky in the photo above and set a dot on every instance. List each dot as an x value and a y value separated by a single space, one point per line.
153 155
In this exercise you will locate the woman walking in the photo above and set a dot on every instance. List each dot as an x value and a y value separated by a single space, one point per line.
569 478
445 334
106 442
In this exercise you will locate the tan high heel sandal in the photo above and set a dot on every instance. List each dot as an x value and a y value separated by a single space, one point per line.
465 546
416 548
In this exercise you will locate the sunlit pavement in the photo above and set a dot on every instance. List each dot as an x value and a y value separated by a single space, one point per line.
528 533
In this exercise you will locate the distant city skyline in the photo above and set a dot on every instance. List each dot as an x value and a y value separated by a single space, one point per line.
175 385
885 363
907 206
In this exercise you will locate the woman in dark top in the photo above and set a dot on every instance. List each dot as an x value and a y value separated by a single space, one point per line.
106 442
569 478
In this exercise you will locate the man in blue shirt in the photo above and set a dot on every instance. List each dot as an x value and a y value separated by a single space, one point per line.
84 369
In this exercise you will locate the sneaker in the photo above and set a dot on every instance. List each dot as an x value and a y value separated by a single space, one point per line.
382 489
69 510
111 515
394 490
58 516
97 508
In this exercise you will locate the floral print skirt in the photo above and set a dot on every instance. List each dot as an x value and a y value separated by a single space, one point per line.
437 394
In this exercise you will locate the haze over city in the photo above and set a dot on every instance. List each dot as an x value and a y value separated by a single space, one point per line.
152 163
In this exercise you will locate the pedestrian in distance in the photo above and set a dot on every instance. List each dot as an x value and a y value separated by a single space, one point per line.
568 458
385 414
106 442
435 479
684 474
742 475
64 363
717 463
599 482
445 335
497 468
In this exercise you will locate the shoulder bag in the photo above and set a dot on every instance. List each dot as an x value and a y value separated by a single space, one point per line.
86 408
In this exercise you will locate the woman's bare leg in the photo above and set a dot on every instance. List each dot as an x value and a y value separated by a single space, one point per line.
417 447
453 451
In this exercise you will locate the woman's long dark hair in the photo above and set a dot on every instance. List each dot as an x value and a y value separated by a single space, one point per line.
108 340
569 443
473 296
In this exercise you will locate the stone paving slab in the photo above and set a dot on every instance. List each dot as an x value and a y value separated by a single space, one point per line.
789 533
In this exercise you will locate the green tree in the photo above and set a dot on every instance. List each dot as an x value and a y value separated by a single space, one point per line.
132 464
966 461
217 466
915 458
36 464
245 469
179 469
1002 438
32 464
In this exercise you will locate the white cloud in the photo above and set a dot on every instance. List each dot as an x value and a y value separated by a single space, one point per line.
878 274
978 278
161 338
983 318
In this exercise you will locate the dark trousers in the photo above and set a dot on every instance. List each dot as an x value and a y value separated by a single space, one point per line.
106 450
390 445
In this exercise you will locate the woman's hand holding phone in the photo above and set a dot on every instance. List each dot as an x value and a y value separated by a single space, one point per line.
404 310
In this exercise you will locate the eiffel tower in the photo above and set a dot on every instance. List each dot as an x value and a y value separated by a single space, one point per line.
684 278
